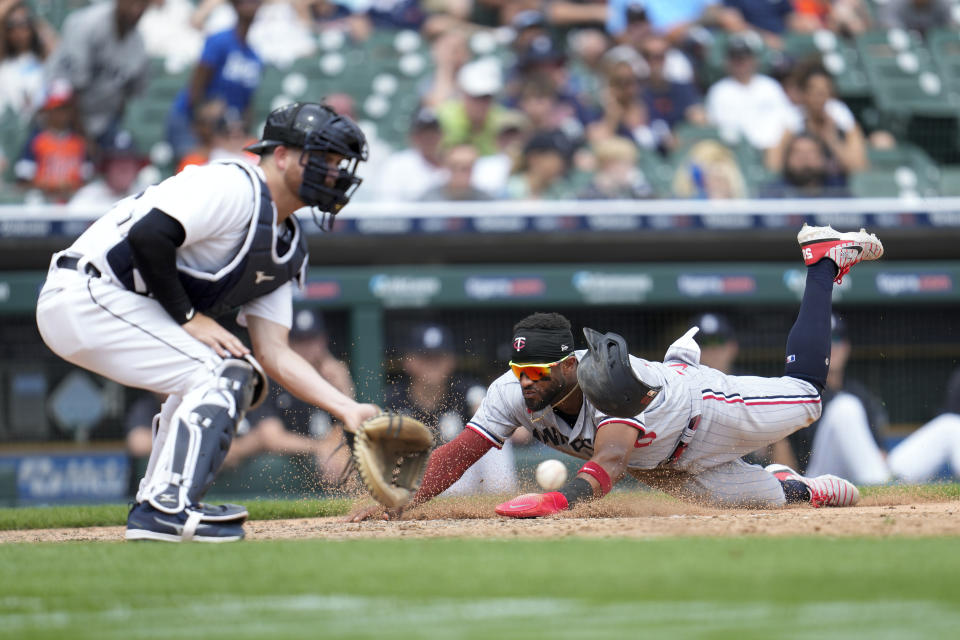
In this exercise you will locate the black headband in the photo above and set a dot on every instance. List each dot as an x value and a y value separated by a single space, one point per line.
541 346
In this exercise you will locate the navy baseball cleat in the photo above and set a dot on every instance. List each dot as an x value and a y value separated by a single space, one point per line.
147 523
222 512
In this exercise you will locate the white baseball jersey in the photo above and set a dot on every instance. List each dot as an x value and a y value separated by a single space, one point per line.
701 422
98 324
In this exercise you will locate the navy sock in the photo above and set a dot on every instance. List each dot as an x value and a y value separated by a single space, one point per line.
808 343
795 491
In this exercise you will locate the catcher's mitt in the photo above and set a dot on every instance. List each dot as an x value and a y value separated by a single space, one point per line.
391 451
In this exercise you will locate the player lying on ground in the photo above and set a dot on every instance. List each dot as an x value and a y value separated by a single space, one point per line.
677 426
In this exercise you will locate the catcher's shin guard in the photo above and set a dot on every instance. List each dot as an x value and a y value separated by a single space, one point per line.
201 431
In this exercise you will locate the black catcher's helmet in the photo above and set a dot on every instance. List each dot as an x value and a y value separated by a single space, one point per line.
318 130
608 380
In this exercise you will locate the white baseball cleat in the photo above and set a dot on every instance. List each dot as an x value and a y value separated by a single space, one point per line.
845 249
825 491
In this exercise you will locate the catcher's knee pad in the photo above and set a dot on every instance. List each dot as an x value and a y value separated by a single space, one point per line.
243 380
201 430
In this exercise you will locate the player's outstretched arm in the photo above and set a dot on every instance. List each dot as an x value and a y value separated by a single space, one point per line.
296 375
447 464
612 448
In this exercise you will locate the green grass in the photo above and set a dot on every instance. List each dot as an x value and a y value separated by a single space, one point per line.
569 588
111 514
936 491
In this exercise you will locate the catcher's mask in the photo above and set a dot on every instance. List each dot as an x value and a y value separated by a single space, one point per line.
608 380
319 131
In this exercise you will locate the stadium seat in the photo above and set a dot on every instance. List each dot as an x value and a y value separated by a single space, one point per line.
906 155
950 181
945 49
891 183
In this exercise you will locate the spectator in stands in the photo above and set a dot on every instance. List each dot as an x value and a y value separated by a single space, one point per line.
168 34
677 67
668 101
563 16
806 172
26 40
283 424
491 173
748 104
472 119
826 118
917 15
585 69
559 14
770 18
710 171
617 175
527 25
206 119
407 174
118 166
326 14
102 56
625 112
458 161
432 391
450 51
679 20
845 17
539 102
229 69
55 159
543 65
543 169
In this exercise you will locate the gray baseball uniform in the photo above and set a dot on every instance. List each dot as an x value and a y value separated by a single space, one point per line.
701 423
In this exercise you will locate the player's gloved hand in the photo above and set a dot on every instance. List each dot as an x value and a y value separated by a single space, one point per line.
533 505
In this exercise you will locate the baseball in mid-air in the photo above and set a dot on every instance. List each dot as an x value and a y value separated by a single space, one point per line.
551 474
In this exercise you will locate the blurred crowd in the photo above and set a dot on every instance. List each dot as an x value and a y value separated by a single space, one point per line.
591 99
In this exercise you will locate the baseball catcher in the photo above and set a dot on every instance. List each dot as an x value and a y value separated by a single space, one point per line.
390 452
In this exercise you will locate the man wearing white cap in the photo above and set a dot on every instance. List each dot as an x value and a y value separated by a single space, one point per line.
474 118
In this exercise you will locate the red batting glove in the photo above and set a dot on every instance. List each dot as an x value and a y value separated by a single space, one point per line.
533 505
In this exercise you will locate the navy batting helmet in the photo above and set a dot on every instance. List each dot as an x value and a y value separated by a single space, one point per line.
318 130
608 380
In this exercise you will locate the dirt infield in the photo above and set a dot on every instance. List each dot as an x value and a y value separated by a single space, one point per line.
629 516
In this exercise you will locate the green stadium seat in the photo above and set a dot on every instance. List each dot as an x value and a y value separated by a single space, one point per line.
849 75
950 181
924 94
658 172
945 48
905 155
891 183
887 43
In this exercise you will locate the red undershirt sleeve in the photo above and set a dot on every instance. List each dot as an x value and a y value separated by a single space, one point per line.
448 462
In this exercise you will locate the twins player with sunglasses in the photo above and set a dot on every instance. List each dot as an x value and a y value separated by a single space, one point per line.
675 425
